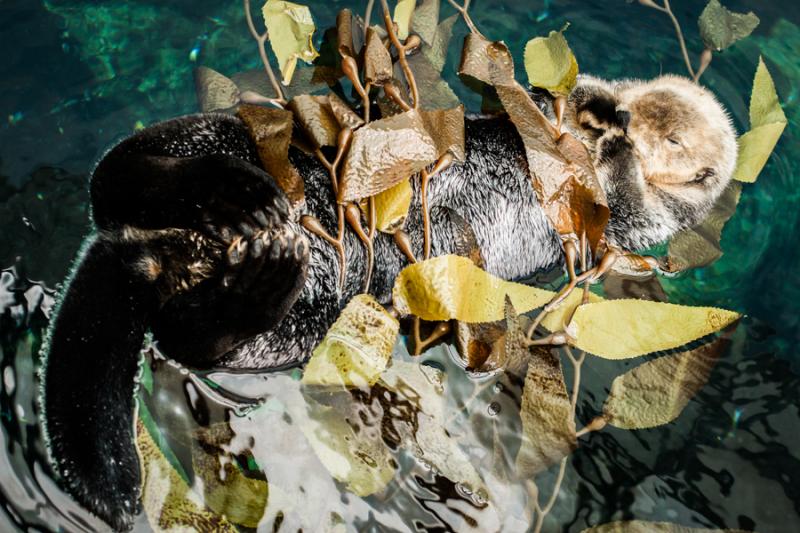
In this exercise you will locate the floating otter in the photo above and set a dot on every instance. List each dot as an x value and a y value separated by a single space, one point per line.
196 243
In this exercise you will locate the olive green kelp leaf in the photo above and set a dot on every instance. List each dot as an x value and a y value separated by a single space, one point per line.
700 246
452 287
641 526
547 419
356 348
168 501
619 329
767 122
656 392
720 28
437 51
291 29
550 63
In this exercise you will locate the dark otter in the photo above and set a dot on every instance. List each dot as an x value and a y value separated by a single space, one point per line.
196 243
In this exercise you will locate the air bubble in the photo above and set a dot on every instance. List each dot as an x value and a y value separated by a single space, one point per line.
493 409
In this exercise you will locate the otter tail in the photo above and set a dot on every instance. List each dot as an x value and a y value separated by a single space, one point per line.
90 363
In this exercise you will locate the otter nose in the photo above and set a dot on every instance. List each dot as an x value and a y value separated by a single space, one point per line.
624 118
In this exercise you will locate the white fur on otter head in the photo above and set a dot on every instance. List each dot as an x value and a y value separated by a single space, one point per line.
665 149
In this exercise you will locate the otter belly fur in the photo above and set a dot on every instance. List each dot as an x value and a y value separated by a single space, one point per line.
196 244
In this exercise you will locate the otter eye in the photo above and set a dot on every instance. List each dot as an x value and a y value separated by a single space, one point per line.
673 142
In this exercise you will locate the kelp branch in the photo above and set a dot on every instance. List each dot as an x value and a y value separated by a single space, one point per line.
464 10
665 8
261 39
402 49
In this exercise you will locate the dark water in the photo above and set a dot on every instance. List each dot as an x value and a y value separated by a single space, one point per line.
76 76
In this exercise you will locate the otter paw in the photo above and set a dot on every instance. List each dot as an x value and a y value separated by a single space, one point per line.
235 197
613 144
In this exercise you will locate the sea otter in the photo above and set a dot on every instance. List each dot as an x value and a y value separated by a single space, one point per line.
196 244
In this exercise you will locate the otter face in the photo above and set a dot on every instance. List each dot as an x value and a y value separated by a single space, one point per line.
664 150
683 137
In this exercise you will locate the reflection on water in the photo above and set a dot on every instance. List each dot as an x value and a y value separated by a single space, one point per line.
77 76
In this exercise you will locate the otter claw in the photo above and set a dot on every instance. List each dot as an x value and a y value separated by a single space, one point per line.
236 250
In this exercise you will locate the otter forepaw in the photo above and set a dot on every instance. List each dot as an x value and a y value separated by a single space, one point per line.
613 144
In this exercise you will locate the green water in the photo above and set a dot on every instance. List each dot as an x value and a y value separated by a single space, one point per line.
77 76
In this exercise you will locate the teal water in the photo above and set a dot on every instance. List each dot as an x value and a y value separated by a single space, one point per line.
77 76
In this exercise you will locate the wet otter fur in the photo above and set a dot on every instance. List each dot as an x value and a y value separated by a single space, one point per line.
195 243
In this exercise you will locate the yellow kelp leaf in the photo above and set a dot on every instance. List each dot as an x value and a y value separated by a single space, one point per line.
425 19
403 12
227 491
556 320
271 129
550 63
548 423
168 501
619 329
291 29
392 206
641 526
656 392
215 92
452 287
385 152
700 246
356 348
767 122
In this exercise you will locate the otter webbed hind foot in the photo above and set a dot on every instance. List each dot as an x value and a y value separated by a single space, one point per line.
264 277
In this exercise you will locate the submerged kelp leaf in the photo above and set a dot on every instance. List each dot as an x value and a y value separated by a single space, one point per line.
767 122
550 63
452 287
403 12
557 319
271 129
425 19
700 246
385 152
377 60
168 501
641 526
618 287
492 346
392 206
356 348
437 51
359 459
547 420
215 92
656 392
304 81
227 491
619 329
720 28
435 92
446 127
291 29
426 436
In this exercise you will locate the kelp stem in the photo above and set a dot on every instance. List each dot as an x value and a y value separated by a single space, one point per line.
261 39
368 14
705 58
464 10
401 54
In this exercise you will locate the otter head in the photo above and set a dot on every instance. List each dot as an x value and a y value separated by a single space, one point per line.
665 150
